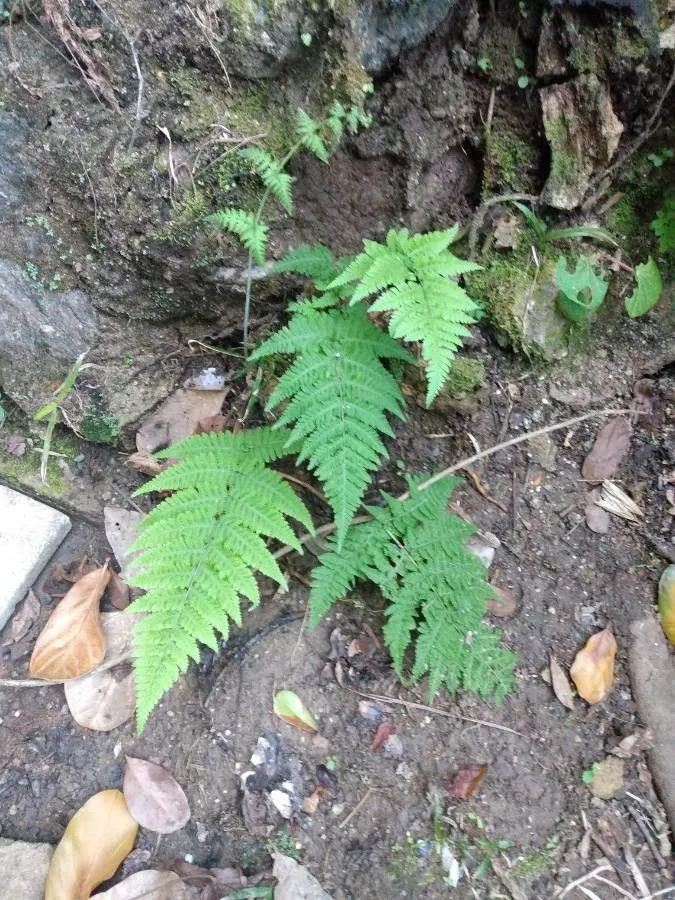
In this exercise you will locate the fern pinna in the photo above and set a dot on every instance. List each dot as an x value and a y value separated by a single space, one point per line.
337 394
436 591
199 549
412 278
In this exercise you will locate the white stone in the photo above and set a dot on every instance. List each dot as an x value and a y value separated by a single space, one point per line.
24 869
30 532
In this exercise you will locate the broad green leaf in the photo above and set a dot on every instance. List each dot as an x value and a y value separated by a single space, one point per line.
289 707
581 291
647 290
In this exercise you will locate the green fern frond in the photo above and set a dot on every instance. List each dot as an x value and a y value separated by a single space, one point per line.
270 171
411 277
314 261
251 232
338 395
335 120
309 133
435 588
200 547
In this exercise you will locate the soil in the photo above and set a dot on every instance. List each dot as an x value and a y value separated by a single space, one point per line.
379 830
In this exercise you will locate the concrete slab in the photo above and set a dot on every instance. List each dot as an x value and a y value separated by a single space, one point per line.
24 869
30 532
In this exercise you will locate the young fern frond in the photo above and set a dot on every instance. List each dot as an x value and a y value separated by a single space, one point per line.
310 135
435 588
272 175
251 232
337 394
200 548
314 261
412 279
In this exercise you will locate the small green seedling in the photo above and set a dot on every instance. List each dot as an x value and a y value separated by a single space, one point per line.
50 410
588 774
648 289
545 235
581 291
483 63
660 157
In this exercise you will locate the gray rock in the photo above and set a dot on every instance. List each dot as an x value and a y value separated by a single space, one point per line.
645 12
387 27
13 171
24 868
42 335
583 133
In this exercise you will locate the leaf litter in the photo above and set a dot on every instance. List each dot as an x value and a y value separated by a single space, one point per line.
593 668
560 684
154 797
72 642
608 451
289 707
150 884
96 841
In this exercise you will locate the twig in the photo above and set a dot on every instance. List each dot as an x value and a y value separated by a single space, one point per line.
410 704
620 890
638 877
139 94
644 830
40 682
603 867
306 487
357 807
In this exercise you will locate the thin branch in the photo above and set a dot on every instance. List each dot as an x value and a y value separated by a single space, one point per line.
358 806
40 682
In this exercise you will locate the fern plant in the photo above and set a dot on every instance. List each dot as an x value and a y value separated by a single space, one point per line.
435 590
337 393
316 136
200 548
412 278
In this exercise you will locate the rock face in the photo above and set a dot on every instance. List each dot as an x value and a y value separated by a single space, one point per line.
583 133
388 26
12 136
42 334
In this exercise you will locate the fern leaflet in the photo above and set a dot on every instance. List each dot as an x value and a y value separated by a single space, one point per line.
411 278
270 170
435 588
251 232
338 393
309 133
200 548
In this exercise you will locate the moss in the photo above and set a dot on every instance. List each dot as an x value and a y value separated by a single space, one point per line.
566 167
509 160
257 111
25 470
187 218
520 304
99 425
585 56
465 376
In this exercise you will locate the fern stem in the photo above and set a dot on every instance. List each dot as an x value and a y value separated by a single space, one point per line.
329 528
249 268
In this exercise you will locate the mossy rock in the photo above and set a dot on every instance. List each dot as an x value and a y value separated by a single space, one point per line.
520 304
509 161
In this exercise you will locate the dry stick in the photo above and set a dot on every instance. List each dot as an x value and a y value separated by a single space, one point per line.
604 867
40 682
410 704
357 807
462 464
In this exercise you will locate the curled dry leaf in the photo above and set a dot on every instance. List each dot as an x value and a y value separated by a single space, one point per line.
593 668
634 744
119 592
72 642
667 603
24 619
560 684
150 884
382 735
98 838
466 781
146 463
154 797
289 707
610 447
177 418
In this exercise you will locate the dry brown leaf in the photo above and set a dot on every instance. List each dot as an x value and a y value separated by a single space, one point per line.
610 447
382 735
560 684
311 804
467 780
119 592
121 529
98 838
150 884
593 668
212 425
634 744
504 605
146 463
177 418
597 518
24 618
72 642
101 701
154 797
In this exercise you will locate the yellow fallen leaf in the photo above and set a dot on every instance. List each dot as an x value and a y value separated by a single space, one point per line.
97 839
667 603
72 642
593 668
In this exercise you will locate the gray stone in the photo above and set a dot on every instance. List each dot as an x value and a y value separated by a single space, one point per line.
13 172
30 532
42 334
386 27
583 133
24 869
